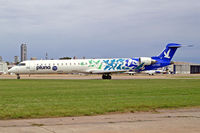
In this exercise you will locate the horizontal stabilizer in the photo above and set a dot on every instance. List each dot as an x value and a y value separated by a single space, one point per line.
174 45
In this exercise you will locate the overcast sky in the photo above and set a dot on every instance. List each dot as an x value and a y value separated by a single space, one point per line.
99 28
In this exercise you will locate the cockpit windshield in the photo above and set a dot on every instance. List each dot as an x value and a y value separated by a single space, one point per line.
22 64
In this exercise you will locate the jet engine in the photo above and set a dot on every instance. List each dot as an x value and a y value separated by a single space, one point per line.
146 61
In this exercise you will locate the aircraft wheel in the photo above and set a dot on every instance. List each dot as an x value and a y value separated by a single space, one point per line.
106 76
18 77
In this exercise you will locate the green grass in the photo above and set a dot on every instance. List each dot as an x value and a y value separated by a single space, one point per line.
189 77
56 98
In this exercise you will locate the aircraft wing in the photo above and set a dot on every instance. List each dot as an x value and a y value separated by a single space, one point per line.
139 67
106 71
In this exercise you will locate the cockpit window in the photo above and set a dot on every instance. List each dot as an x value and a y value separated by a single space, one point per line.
22 64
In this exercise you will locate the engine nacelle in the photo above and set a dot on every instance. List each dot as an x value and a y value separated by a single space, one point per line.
146 61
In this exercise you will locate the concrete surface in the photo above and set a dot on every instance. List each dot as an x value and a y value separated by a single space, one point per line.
163 121
114 76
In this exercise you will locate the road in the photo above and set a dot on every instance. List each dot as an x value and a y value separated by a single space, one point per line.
162 121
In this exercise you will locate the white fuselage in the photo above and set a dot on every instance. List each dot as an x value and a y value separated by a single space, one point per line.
74 66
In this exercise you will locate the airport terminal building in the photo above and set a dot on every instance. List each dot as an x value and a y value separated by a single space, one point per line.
186 68
3 68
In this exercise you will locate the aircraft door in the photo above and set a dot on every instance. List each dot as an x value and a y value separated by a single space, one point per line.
30 68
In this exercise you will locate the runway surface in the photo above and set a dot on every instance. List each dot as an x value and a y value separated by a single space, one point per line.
162 121
114 76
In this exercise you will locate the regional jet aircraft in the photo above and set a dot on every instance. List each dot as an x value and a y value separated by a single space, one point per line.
97 66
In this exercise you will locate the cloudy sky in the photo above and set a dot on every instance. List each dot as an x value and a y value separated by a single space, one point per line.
99 28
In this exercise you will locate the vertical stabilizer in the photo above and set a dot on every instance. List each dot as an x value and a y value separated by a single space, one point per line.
169 51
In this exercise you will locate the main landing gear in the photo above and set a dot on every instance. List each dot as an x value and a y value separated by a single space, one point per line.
18 77
106 76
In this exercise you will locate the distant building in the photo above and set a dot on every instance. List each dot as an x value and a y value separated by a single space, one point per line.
33 58
1 59
16 59
186 68
75 57
3 68
46 56
23 52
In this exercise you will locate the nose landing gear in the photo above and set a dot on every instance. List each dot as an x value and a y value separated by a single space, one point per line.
18 77
106 76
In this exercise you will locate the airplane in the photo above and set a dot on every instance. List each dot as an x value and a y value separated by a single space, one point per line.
106 67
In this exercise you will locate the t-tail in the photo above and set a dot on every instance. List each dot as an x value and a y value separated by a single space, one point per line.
169 51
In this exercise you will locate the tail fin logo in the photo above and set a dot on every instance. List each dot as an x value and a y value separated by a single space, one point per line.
167 54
